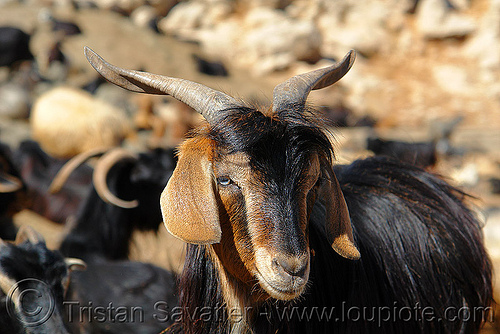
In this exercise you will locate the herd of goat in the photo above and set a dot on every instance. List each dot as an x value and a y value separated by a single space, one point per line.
280 239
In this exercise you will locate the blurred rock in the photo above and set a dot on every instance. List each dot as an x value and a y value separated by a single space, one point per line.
265 40
484 46
162 7
436 21
362 26
270 32
124 6
452 79
492 233
182 18
116 96
466 175
15 101
143 16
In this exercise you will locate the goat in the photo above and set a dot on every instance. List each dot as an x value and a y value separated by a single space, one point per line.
14 46
37 169
123 198
272 229
33 280
422 154
10 193
495 185
67 121
215 68
139 297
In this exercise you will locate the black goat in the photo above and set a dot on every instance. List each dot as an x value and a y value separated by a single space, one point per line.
14 46
214 68
495 185
422 154
281 246
37 169
11 193
129 201
121 297
33 281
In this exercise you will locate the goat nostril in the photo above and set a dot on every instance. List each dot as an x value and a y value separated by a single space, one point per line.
290 265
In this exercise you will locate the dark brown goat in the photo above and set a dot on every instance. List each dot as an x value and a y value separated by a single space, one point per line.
11 193
256 196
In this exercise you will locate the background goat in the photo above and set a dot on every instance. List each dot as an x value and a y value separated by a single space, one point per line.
142 296
37 169
33 281
10 193
14 46
123 198
257 194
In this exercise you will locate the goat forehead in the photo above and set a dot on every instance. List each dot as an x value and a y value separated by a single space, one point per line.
36 261
278 148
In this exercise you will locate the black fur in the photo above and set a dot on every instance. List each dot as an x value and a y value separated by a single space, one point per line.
44 270
139 297
14 46
422 154
214 68
104 230
37 170
10 203
421 247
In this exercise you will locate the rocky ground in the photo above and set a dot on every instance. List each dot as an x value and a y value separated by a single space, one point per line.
418 67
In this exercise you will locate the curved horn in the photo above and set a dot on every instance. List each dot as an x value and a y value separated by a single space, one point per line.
68 168
75 264
27 233
211 104
296 89
100 174
10 183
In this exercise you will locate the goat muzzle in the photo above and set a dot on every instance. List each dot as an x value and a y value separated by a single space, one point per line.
282 276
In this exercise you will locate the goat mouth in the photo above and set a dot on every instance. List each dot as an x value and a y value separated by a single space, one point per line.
278 290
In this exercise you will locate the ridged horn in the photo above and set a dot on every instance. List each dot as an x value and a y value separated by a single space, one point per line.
295 90
9 183
211 104
72 164
100 174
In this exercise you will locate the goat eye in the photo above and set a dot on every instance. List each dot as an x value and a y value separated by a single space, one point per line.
224 181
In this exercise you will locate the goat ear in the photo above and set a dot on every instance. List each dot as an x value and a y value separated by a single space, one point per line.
27 233
188 202
338 224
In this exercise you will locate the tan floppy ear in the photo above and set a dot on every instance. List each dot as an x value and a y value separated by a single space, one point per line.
338 224
188 203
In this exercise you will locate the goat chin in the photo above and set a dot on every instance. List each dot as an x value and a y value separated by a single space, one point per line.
278 283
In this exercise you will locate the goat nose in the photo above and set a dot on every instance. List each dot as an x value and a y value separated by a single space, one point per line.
293 266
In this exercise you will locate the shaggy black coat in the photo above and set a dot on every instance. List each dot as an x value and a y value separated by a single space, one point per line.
423 266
